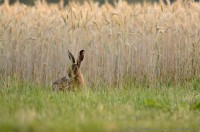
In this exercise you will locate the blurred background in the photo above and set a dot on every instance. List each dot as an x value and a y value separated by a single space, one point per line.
31 2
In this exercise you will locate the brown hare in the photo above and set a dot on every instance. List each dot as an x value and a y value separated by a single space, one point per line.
74 78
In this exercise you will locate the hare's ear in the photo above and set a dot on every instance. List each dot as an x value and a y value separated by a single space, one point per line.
71 57
80 58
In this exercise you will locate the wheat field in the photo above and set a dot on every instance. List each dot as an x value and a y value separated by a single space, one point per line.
140 42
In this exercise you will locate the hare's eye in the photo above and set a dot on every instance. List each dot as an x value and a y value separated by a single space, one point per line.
75 67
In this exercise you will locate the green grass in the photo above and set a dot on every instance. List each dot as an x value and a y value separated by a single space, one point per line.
30 107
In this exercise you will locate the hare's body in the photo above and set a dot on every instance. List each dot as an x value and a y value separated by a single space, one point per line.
79 80
74 79
62 83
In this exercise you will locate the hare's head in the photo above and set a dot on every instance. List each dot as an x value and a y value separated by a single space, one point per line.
74 69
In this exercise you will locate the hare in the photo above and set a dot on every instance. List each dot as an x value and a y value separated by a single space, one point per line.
74 79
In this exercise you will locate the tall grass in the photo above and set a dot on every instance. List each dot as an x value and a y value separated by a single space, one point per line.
30 107
148 42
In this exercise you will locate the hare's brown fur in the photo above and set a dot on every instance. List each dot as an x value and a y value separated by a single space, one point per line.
74 78
79 78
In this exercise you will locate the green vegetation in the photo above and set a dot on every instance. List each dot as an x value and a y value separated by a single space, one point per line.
30 107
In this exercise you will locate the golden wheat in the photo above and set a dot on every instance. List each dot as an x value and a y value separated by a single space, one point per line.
149 41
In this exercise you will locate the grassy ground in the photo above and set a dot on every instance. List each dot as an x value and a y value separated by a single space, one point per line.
29 107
